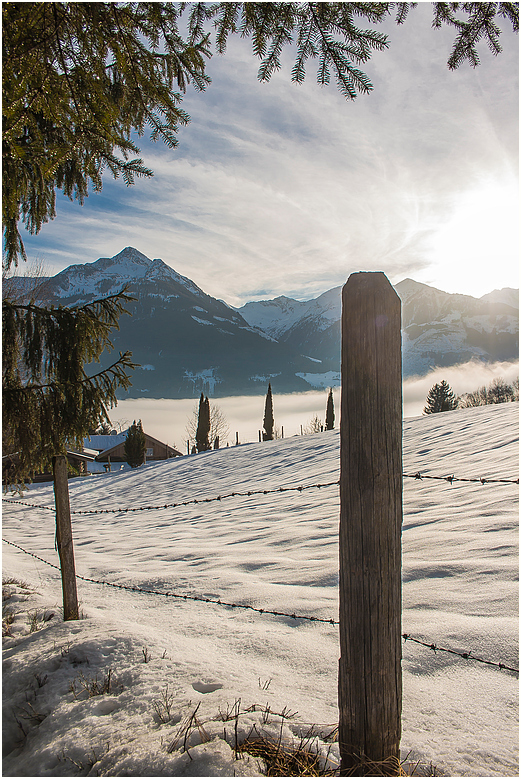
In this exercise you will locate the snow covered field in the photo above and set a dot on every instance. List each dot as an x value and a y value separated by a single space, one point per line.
169 658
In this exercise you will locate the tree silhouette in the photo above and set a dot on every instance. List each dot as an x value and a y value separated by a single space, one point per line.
202 436
330 411
440 398
268 422
135 445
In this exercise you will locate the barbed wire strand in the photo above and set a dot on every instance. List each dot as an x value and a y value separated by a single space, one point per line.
193 501
198 598
300 488
464 655
219 602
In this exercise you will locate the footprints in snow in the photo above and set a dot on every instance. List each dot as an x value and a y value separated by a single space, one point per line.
206 687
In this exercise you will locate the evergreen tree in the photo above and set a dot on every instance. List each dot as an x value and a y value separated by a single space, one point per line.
440 398
218 425
268 423
202 437
135 445
49 403
330 411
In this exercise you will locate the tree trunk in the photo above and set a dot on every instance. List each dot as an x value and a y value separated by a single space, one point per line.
370 683
64 537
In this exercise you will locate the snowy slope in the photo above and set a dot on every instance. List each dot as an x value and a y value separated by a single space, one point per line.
275 551
280 315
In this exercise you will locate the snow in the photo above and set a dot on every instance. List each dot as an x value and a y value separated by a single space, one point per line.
279 315
202 321
207 376
109 274
506 295
180 669
327 379
101 442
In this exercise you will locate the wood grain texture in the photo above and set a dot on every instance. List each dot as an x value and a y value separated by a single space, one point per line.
370 684
64 537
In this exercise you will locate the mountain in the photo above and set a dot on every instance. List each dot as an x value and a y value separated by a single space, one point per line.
187 341
443 329
439 328
506 295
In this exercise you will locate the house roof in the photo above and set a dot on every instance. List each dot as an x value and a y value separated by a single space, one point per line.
85 455
102 442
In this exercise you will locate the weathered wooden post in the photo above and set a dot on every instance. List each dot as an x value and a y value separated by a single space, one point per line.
64 537
370 682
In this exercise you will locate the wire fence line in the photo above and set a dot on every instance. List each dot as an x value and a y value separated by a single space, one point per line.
300 488
219 602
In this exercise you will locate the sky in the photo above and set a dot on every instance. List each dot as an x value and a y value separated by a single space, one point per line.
278 188
172 660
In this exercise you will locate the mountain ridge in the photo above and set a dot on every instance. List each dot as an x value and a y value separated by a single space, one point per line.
186 341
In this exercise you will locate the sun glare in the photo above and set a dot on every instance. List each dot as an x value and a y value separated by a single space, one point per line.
477 249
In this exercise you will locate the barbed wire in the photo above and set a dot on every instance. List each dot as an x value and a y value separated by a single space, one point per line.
300 488
406 636
481 480
198 598
464 655
193 501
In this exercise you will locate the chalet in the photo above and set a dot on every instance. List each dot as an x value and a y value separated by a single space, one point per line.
97 454
111 448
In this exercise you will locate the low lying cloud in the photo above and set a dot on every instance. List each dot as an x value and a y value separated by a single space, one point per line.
166 419
466 377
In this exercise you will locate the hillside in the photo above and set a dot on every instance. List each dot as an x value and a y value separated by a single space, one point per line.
171 657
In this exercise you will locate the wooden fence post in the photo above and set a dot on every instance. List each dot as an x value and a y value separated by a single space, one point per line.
370 681
64 537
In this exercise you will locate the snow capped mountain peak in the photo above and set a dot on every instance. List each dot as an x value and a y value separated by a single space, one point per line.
108 275
409 287
507 295
160 271
131 255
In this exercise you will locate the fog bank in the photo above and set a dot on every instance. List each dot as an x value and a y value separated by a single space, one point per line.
166 419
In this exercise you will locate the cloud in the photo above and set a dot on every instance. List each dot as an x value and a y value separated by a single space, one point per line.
166 419
467 377
290 188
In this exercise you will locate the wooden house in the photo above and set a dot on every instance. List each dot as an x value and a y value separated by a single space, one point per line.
111 448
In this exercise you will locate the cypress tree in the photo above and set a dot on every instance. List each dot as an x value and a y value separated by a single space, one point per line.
268 422
135 445
203 425
330 411
440 398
